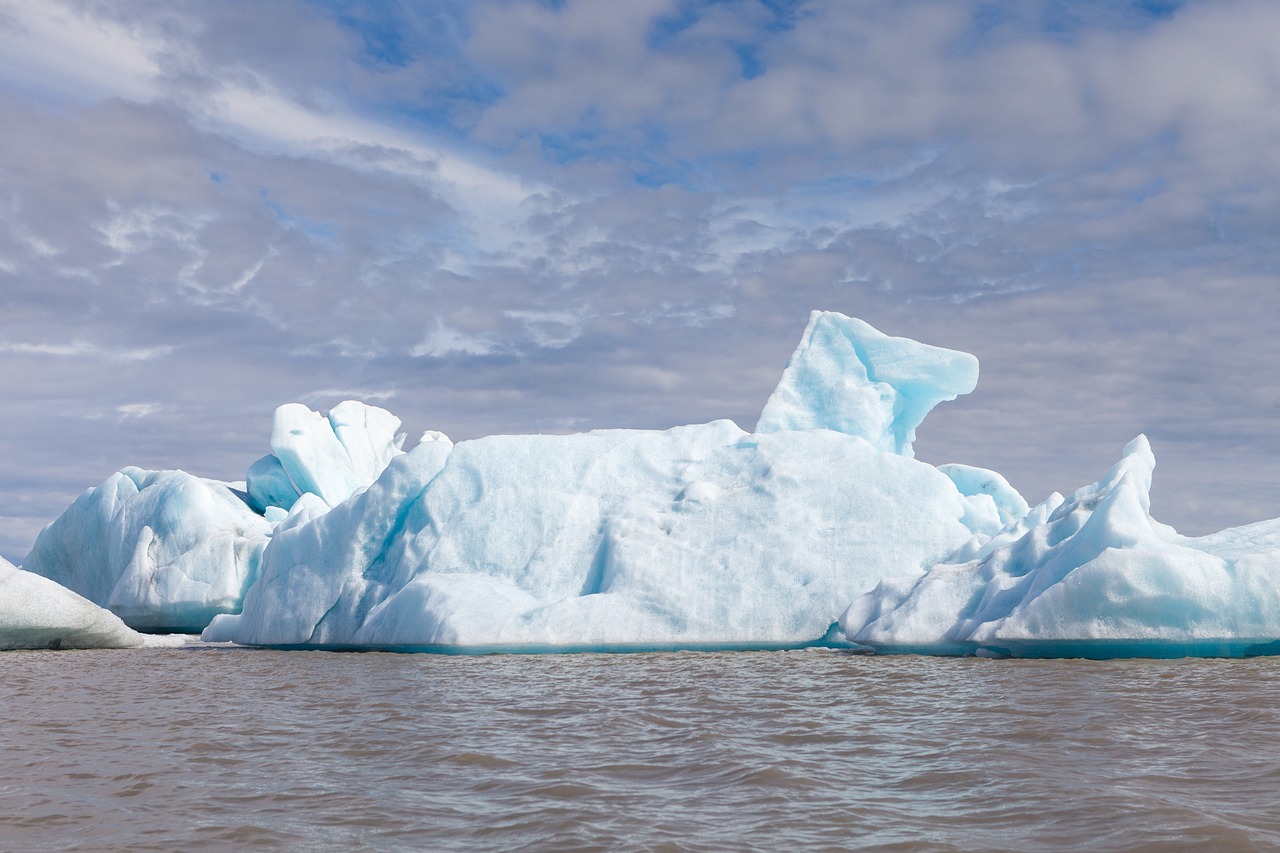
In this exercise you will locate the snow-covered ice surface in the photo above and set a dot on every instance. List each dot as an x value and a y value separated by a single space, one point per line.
818 528
36 613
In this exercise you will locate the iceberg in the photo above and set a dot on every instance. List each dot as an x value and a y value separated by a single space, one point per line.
168 551
1092 575
818 528
697 536
331 457
36 613
163 550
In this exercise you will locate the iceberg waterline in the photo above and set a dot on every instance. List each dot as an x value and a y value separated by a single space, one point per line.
818 528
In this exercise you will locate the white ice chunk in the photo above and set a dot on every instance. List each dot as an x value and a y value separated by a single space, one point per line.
36 613
694 536
970 481
331 457
163 550
848 377
992 503
1093 575
306 508
319 554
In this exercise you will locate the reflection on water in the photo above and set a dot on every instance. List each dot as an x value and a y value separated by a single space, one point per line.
235 749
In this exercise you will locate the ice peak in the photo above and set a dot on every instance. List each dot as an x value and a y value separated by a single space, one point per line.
330 456
849 377
1136 464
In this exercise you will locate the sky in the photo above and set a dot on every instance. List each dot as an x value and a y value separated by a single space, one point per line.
511 217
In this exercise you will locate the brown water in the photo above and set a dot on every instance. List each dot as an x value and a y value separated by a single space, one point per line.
225 749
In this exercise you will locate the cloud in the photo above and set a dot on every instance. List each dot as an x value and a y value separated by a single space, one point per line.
330 396
838 80
59 51
139 410
517 216
444 340
94 53
84 349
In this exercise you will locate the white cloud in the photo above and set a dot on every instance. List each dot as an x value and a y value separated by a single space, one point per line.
445 340
380 395
52 48
140 410
49 48
86 350
553 329
489 197
137 229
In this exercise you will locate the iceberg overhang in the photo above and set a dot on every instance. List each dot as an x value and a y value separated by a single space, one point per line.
849 377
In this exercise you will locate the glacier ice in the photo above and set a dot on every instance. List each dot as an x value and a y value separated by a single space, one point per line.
331 457
168 551
699 535
268 486
991 503
849 377
818 528
36 613
1092 575
163 550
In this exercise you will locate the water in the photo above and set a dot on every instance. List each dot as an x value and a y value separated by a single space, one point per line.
223 749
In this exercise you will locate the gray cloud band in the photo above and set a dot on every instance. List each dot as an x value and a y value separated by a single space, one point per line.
516 218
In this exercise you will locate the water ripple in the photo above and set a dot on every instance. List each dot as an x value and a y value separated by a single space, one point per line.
232 749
